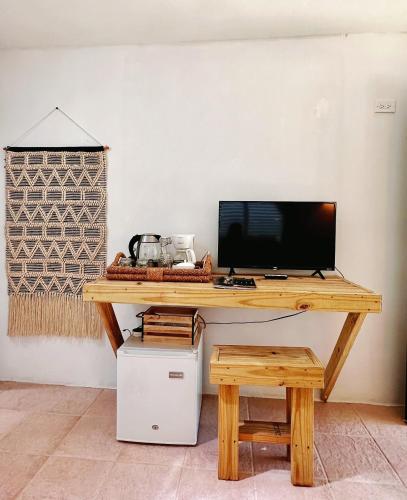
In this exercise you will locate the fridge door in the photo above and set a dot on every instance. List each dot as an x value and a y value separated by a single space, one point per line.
157 395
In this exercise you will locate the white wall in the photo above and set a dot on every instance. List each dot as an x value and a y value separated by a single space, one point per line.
129 22
191 124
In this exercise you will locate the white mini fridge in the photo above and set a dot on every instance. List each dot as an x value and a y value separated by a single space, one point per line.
159 392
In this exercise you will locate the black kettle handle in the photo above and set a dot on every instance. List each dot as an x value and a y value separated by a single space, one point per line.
132 242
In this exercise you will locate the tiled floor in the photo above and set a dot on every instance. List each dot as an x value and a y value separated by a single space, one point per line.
59 443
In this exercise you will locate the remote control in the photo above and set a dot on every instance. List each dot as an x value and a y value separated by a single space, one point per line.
276 276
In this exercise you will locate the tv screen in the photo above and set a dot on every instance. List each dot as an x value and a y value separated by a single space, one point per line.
277 234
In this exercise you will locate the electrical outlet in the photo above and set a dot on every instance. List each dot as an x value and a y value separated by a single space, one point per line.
385 106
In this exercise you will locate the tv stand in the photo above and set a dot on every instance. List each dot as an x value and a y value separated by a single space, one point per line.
232 271
318 273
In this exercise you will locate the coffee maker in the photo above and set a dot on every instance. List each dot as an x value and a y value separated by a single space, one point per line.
184 248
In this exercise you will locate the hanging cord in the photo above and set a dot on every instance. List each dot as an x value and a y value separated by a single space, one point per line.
79 126
340 272
250 322
27 132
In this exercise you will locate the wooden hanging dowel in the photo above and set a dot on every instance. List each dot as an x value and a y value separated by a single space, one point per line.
106 148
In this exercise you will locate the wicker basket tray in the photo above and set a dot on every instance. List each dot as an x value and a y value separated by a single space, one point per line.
201 274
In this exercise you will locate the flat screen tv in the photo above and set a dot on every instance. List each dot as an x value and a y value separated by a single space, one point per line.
277 234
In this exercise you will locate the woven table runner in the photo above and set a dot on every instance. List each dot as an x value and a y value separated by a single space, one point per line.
55 238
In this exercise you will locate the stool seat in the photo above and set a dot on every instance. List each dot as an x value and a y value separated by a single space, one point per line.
297 369
264 365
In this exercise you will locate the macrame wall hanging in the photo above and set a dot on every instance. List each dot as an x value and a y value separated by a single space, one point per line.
55 236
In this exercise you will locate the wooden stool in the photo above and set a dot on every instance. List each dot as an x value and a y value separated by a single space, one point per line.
296 368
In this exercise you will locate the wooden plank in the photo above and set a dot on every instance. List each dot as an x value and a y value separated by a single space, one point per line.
159 329
186 313
302 437
288 356
295 293
265 432
175 340
341 351
111 325
174 320
287 377
168 339
228 433
266 365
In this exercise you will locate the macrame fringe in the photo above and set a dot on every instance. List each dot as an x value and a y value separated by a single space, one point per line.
53 315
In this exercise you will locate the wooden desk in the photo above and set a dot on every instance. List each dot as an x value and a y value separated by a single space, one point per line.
296 293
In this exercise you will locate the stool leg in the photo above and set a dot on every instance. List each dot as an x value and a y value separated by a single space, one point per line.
288 395
302 437
228 433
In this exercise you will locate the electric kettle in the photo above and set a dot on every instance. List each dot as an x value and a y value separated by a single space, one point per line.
148 248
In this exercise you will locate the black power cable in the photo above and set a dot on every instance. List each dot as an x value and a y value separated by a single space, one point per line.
250 322
340 272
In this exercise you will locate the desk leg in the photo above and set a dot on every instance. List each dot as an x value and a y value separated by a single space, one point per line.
342 348
111 325
302 436
228 432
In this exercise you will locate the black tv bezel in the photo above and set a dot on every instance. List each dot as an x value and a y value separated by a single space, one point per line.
271 266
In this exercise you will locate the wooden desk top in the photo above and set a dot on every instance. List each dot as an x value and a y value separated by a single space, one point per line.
296 293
